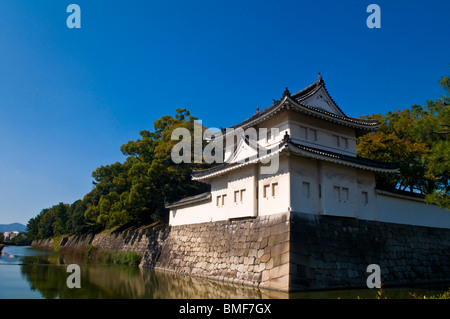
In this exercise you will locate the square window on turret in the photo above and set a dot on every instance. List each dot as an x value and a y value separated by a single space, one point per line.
313 135
305 189
345 194
303 133
337 141
266 190
344 143
365 197
337 192
223 199
274 189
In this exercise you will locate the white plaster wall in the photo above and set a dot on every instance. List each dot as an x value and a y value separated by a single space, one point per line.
366 206
281 201
319 134
306 199
219 208
326 134
191 214
395 209
304 185
279 121
219 187
242 179
336 202
363 201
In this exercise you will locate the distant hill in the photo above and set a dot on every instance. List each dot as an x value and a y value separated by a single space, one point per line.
12 227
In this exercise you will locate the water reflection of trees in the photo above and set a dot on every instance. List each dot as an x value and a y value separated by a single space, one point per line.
125 282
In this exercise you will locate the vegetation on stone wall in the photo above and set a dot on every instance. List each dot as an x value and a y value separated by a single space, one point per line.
97 255
444 295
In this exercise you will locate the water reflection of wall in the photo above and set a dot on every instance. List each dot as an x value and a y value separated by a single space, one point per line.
48 276
133 282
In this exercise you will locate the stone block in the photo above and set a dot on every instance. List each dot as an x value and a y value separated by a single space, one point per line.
264 258
280 283
264 242
256 277
260 253
279 271
265 276
269 264
299 259
279 249
261 267
276 260
252 253
285 258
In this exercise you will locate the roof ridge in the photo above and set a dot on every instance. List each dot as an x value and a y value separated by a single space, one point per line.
310 89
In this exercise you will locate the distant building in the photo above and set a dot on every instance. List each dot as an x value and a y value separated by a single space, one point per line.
10 235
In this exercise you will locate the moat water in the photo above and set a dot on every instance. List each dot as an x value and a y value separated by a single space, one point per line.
27 273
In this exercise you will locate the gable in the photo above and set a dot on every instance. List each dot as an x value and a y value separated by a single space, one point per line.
322 100
243 151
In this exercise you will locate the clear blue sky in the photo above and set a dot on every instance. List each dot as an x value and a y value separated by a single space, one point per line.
69 98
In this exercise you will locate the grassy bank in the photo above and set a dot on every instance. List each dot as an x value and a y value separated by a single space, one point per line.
90 254
444 295
97 255
381 294
94 255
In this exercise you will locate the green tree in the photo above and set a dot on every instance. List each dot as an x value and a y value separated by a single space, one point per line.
45 227
21 240
76 222
33 226
136 191
418 138
61 216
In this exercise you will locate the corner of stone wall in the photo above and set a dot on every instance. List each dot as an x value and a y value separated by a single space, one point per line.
250 251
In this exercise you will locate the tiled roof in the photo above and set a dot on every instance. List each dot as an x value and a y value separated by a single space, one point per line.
294 102
313 88
351 159
303 150
190 200
215 169
399 192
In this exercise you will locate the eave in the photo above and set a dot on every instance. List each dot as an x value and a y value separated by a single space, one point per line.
304 151
190 200
342 159
288 103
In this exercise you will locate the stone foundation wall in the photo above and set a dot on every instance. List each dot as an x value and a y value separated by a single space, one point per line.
145 241
289 251
333 252
249 251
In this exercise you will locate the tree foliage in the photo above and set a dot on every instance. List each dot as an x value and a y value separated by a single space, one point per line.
417 138
133 192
